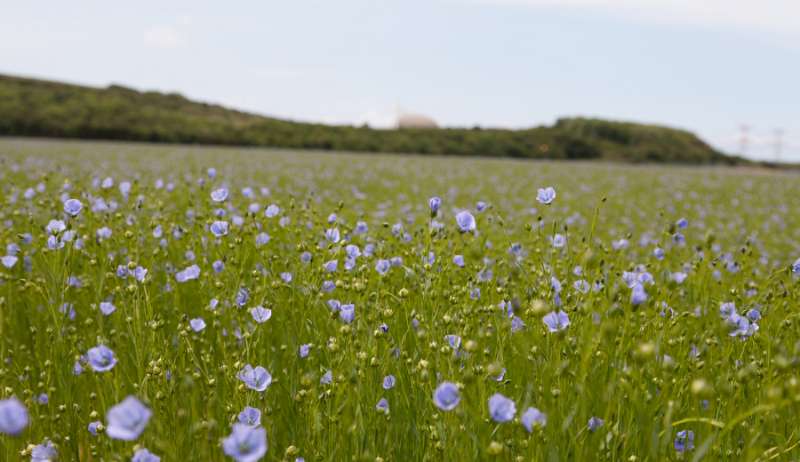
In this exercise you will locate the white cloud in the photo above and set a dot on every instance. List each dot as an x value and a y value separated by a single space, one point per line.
162 37
775 16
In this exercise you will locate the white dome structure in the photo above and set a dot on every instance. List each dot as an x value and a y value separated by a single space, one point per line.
415 121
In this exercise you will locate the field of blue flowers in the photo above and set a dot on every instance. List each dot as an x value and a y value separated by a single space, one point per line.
196 303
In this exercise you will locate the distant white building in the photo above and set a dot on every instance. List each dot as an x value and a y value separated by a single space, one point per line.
415 121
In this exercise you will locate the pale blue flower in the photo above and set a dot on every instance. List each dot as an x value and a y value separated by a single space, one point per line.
533 417
501 409
101 358
434 203
272 211
260 314
9 261
446 396
127 420
219 195
556 321
188 274
332 235
143 455
219 228
347 313
257 378
383 406
595 423
45 452
382 266
73 207
250 416
197 324
13 416
465 221
546 195
246 443
107 308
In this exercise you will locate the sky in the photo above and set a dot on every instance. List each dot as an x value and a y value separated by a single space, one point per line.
710 66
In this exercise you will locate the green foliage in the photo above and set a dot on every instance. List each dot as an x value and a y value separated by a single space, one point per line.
40 108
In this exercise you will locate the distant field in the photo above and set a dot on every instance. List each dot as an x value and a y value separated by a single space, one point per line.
646 313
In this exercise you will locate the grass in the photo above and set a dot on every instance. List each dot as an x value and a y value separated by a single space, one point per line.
648 370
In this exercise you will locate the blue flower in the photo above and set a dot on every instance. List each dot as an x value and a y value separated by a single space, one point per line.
352 251
197 324
304 350
533 417
458 260
127 420
262 239
382 266
260 314
682 223
684 441
347 313
246 443
94 427
446 396
73 207
242 296
501 409
143 455
219 228
250 416
726 309
257 378
434 203
556 321
558 240
753 314
44 452
383 406
101 358
58 226
326 378
9 261
13 416
219 195
679 277
188 274
481 206
332 235
546 195
331 266
453 340
638 295
361 228
389 382
658 252
595 423
140 273
272 211
465 221
796 266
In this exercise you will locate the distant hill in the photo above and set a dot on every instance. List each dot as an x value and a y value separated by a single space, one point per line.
30 107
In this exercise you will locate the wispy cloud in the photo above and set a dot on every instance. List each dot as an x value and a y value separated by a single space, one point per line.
775 16
161 36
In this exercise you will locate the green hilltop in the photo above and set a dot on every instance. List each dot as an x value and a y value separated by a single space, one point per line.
30 107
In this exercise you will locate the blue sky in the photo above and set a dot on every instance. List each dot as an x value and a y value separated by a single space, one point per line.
709 66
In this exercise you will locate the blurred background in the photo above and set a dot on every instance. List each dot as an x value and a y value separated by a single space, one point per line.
727 70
